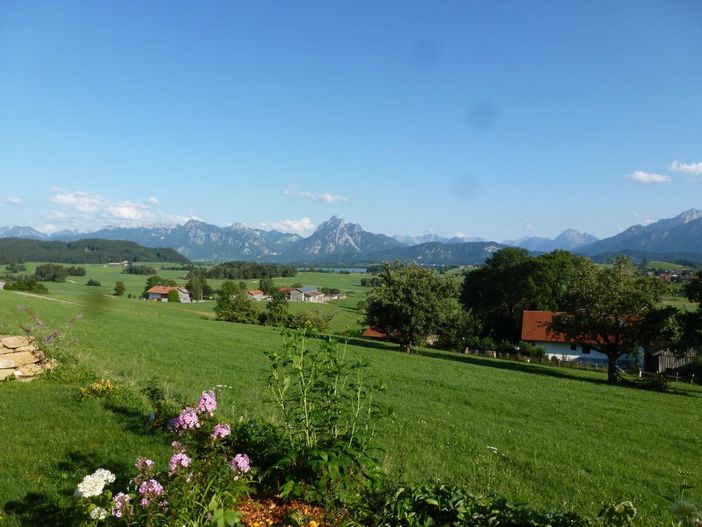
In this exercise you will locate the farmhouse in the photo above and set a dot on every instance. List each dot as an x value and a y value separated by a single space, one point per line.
535 331
159 293
257 294
303 294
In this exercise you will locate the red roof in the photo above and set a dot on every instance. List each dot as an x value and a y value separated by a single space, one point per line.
285 289
373 333
161 289
255 292
535 327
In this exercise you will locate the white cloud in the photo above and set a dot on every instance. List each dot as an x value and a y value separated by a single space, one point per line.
303 226
691 169
13 200
87 210
645 219
647 178
49 228
324 196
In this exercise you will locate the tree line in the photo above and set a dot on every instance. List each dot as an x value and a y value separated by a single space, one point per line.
83 251
236 270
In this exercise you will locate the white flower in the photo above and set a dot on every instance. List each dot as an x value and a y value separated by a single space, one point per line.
105 475
90 486
93 484
98 513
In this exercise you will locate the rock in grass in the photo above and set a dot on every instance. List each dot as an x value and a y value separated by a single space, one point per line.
14 342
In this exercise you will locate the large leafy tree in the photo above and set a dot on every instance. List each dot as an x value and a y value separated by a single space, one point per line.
234 305
410 303
610 310
511 281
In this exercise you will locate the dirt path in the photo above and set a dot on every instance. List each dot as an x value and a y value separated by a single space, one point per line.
32 295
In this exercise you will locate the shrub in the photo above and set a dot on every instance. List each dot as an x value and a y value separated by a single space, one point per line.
173 296
50 273
76 271
119 289
93 282
53 343
27 284
327 407
438 504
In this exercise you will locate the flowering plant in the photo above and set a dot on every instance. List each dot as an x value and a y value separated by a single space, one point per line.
202 485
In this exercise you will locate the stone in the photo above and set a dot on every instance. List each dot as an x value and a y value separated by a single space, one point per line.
21 358
7 363
4 374
30 347
30 370
15 342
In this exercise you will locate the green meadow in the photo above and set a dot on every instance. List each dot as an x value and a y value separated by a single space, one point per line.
547 436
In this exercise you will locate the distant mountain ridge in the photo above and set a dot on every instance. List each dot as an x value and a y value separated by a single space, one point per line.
339 241
681 234
568 240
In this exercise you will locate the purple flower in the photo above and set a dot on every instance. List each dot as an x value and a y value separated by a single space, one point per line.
208 403
187 420
144 465
220 431
148 490
178 460
120 505
241 464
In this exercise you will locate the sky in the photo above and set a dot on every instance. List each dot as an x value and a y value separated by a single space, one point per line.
497 119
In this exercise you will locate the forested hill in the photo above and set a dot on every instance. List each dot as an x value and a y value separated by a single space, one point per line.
83 251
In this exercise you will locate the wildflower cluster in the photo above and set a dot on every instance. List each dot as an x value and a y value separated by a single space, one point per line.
200 470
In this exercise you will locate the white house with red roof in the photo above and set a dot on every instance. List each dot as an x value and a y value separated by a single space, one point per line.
159 293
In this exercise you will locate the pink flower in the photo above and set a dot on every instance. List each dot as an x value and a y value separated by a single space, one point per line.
120 505
148 490
208 403
144 465
187 420
220 431
241 464
178 460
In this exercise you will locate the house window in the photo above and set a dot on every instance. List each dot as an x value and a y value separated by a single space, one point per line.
573 346
586 349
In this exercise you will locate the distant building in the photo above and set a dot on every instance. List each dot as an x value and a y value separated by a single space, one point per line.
372 333
159 293
123 263
2 284
535 331
257 294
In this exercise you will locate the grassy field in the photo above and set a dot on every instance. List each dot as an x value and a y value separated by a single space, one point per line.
563 438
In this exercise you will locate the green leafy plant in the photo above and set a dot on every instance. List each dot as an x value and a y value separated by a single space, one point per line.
327 407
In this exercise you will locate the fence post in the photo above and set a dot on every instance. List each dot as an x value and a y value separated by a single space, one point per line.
693 379
677 376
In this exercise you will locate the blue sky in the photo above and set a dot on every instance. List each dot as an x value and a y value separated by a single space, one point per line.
493 119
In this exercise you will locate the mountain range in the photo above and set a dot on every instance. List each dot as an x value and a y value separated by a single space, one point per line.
337 241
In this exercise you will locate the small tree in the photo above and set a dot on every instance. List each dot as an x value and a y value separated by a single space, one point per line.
266 285
277 309
93 282
608 310
234 305
119 288
410 303
173 296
